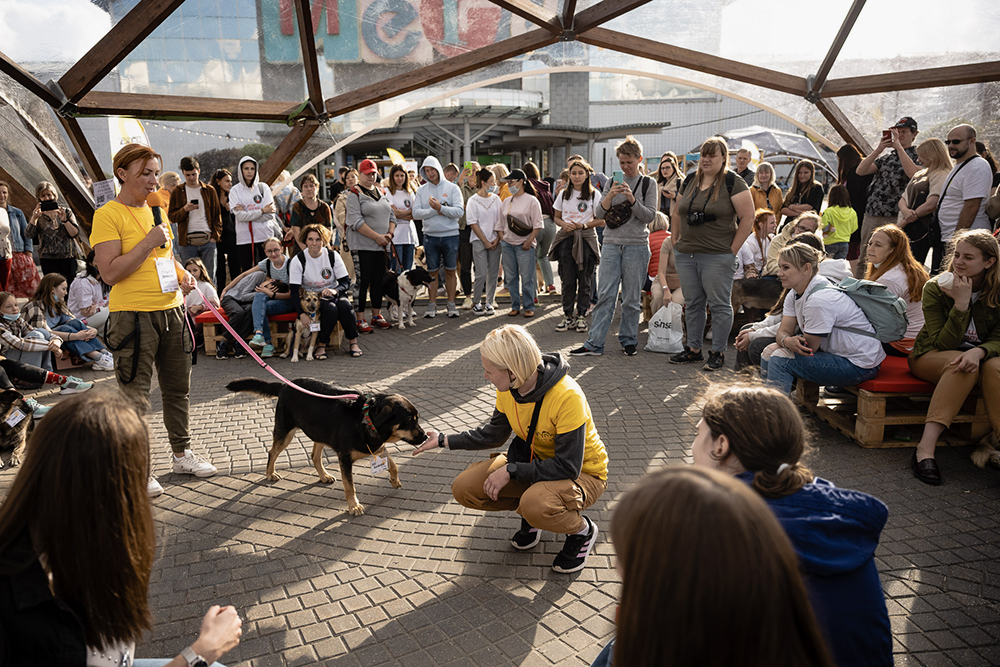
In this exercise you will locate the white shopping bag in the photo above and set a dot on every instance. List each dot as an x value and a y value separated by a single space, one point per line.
666 332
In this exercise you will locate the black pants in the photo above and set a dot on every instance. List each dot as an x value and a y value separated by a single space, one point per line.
372 273
751 357
248 255
66 266
240 318
576 282
331 312
226 256
465 259
24 375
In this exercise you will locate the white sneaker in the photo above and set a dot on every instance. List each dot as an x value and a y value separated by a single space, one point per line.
452 311
153 487
189 464
432 311
74 386
393 313
105 363
467 304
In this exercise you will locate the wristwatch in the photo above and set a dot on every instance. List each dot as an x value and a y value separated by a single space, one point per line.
440 439
511 469
193 659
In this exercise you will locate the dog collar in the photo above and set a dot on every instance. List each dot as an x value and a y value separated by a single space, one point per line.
405 292
367 420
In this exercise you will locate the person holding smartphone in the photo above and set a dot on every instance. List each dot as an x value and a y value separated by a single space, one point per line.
54 228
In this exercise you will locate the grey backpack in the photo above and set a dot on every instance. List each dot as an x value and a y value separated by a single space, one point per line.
885 310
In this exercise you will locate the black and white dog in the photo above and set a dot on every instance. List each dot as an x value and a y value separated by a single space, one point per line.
401 291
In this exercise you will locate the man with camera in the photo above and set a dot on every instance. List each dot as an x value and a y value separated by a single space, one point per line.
892 172
627 206
194 207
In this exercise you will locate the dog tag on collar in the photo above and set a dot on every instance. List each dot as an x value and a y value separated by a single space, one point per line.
313 327
16 417
379 464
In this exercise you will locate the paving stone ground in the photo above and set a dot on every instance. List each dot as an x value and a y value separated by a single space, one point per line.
419 580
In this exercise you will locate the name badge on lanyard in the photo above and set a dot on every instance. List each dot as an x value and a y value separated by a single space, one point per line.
167 274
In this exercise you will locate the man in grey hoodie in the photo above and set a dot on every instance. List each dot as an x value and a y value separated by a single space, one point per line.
439 205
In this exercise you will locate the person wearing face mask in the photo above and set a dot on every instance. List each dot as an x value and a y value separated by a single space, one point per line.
88 296
47 311
253 207
807 223
485 220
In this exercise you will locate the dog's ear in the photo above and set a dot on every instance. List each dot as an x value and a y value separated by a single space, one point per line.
385 409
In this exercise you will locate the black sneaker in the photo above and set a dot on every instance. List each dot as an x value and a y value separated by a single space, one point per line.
584 351
527 537
573 556
220 350
630 351
716 360
687 357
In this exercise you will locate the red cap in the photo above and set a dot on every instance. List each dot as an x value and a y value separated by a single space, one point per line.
367 167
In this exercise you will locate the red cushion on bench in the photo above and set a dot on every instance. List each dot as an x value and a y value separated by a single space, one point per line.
206 316
895 377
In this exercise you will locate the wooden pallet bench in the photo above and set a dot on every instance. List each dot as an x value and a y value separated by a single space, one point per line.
282 331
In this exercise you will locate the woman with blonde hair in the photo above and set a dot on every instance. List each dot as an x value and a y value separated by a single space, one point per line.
54 229
549 475
699 553
959 346
501 172
828 351
806 193
765 193
920 199
891 263
757 435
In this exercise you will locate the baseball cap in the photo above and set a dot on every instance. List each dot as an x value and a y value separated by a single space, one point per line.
906 121
516 175
367 166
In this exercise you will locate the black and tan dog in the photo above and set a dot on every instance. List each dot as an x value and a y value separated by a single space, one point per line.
756 293
310 307
15 424
354 429
401 291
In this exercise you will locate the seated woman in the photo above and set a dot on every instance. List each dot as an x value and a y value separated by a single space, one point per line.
753 253
825 353
687 601
271 297
88 296
320 269
549 476
667 286
63 600
959 346
757 435
805 223
891 263
47 312
193 303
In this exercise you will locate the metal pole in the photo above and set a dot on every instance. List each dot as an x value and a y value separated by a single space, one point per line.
467 142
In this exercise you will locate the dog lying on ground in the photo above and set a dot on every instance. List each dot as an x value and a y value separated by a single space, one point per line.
15 424
310 306
987 451
401 291
354 429
759 293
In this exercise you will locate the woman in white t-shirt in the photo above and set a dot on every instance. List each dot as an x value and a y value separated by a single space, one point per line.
891 263
485 218
320 269
519 249
575 245
401 194
753 253
824 352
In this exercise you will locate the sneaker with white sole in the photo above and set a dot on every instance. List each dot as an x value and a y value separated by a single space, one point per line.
573 556
565 324
431 311
105 363
467 304
584 351
489 309
74 386
527 537
189 464
153 487
257 342
267 351
452 310
37 409
477 309
581 324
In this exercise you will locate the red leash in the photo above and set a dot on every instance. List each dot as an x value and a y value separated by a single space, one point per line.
263 364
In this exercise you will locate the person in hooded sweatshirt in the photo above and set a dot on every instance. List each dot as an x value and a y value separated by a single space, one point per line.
556 466
252 206
756 434
439 204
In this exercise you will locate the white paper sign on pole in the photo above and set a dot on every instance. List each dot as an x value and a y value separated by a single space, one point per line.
104 191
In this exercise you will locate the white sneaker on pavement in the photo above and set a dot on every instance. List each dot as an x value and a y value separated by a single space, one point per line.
105 363
189 464
153 487
431 311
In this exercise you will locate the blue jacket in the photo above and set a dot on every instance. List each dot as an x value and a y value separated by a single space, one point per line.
448 195
835 533
18 239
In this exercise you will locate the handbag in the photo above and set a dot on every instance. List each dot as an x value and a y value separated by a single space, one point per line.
619 214
198 238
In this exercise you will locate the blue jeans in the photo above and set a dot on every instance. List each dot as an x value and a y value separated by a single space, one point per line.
822 368
206 252
837 250
441 250
623 265
79 347
405 252
519 275
263 307
42 358
707 279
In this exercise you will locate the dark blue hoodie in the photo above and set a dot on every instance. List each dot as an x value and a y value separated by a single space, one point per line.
835 533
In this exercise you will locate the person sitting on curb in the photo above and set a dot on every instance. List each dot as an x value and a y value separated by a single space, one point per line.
549 475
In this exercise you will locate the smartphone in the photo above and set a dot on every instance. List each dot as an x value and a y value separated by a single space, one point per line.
470 166
194 201
618 176
886 135
50 205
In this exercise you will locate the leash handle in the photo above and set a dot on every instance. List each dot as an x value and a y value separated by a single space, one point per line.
261 362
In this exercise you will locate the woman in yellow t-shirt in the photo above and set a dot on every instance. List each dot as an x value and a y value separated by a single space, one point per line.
549 477
146 327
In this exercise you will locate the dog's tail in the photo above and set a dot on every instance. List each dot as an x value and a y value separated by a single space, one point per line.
255 386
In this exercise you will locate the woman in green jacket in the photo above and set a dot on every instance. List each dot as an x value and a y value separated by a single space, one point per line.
959 346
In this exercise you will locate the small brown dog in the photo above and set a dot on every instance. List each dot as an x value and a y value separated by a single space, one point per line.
310 307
